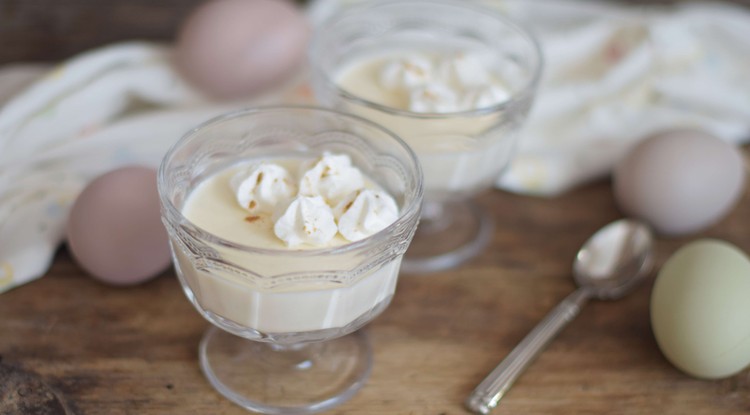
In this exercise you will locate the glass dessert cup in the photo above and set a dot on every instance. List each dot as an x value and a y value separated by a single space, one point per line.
284 336
461 153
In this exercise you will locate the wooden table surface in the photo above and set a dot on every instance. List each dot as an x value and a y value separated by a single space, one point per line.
134 351
118 351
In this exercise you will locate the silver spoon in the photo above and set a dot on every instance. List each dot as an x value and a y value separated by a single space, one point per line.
608 266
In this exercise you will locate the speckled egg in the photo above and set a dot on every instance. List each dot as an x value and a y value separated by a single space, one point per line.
114 229
680 181
700 313
234 48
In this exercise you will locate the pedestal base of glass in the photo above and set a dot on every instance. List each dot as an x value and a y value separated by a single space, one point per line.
449 233
297 379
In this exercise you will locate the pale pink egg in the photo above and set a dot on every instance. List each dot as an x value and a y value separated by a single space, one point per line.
680 181
233 48
114 228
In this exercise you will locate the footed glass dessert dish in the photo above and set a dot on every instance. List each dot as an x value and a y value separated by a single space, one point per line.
455 81
284 318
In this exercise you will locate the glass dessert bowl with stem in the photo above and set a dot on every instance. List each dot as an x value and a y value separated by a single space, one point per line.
285 312
455 81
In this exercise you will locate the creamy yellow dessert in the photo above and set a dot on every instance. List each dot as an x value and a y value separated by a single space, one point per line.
281 205
438 98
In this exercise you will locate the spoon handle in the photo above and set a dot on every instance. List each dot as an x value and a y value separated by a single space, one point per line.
488 393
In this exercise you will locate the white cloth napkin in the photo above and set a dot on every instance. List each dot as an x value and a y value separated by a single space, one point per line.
115 106
613 75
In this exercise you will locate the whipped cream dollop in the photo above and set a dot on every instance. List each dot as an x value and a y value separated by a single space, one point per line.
307 220
465 69
444 83
434 98
484 97
364 213
331 199
331 177
261 187
410 72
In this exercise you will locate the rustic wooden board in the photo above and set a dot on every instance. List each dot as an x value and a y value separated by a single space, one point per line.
134 351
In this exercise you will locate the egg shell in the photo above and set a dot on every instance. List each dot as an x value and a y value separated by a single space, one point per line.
232 49
680 181
114 229
700 313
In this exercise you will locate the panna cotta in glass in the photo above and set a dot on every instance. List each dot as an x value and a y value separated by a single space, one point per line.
455 80
291 204
445 81
288 226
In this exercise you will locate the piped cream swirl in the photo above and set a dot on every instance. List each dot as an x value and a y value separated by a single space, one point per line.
444 83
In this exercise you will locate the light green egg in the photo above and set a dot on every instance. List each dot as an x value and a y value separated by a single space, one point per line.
700 309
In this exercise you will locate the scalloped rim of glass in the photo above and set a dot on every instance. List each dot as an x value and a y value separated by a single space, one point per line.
515 26
408 212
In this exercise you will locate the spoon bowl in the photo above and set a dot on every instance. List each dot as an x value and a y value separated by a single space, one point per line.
615 259
608 266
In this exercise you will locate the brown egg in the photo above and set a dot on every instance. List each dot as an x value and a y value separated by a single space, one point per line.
114 229
233 48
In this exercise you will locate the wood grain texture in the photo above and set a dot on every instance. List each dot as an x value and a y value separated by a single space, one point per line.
34 30
122 351
50 30
23 392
